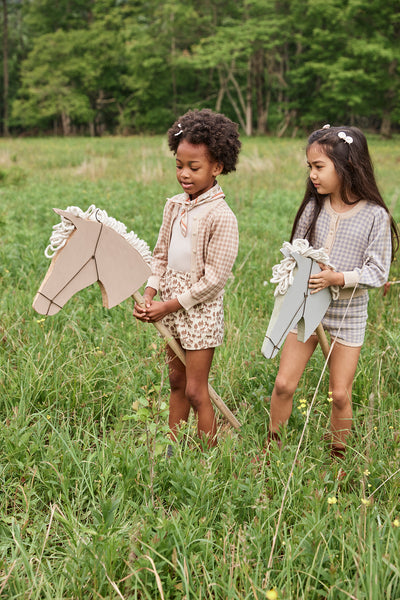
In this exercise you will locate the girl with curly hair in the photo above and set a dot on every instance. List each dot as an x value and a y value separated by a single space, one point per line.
192 260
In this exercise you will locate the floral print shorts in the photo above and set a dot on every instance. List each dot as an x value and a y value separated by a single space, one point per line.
198 328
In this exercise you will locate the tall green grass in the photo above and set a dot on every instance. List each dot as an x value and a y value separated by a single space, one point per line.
89 505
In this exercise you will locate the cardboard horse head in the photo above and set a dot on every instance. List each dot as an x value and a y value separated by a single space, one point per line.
297 306
90 250
93 252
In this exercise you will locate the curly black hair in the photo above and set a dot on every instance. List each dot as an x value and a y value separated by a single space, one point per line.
215 130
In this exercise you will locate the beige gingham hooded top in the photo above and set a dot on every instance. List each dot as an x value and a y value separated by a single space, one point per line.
215 241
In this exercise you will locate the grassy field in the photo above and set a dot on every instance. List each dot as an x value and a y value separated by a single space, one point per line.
89 506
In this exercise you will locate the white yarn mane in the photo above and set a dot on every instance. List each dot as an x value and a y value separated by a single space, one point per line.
62 231
282 274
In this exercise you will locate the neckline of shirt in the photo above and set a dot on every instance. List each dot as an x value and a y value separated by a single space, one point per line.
348 213
213 193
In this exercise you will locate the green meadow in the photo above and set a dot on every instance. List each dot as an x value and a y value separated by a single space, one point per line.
90 508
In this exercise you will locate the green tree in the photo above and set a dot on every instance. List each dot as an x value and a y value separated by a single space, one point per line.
248 52
48 16
12 41
319 43
375 46
69 77
135 65
345 66
49 88
162 84
5 68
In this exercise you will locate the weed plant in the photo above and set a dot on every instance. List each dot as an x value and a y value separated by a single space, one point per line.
90 507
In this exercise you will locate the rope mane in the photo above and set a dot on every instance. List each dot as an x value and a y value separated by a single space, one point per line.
283 273
62 231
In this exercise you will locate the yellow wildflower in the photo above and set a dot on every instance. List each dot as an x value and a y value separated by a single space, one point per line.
272 594
332 500
366 501
303 406
396 523
366 472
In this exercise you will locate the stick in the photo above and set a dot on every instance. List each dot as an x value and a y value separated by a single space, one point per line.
323 341
180 353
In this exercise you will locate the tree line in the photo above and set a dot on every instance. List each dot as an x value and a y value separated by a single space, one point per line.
132 66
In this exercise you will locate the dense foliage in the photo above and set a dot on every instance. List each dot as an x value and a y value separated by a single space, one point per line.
131 66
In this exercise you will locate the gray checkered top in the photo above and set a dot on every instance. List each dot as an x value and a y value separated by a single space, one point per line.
358 241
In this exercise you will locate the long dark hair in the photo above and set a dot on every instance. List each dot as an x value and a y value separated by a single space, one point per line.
354 168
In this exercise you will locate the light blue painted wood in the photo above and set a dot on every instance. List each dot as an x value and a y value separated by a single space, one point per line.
297 307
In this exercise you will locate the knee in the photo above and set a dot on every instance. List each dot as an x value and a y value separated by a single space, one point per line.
196 396
284 387
177 380
341 398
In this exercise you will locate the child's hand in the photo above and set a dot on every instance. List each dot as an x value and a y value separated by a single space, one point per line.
325 278
140 310
158 310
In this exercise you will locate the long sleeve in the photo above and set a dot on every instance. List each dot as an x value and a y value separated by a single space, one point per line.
214 255
377 255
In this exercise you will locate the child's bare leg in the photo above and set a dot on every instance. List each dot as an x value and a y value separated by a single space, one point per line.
294 358
179 405
343 364
198 364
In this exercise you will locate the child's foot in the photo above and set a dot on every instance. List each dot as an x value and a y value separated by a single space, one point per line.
258 458
338 452
335 450
272 438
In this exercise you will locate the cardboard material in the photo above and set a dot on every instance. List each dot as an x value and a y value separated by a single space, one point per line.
297 307
93 252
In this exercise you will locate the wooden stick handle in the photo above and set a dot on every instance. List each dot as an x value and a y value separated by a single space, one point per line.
180 353
323 341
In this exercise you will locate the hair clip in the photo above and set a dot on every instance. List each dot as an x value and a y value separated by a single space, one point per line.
346 138
327 126
180 130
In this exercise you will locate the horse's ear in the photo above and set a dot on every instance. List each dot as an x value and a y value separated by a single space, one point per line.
75 220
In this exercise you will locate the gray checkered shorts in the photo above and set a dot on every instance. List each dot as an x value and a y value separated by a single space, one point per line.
198 328
352 330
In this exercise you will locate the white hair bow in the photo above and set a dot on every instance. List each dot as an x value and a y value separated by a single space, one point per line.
346 138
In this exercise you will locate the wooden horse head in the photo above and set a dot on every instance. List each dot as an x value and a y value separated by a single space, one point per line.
296 307
94 252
